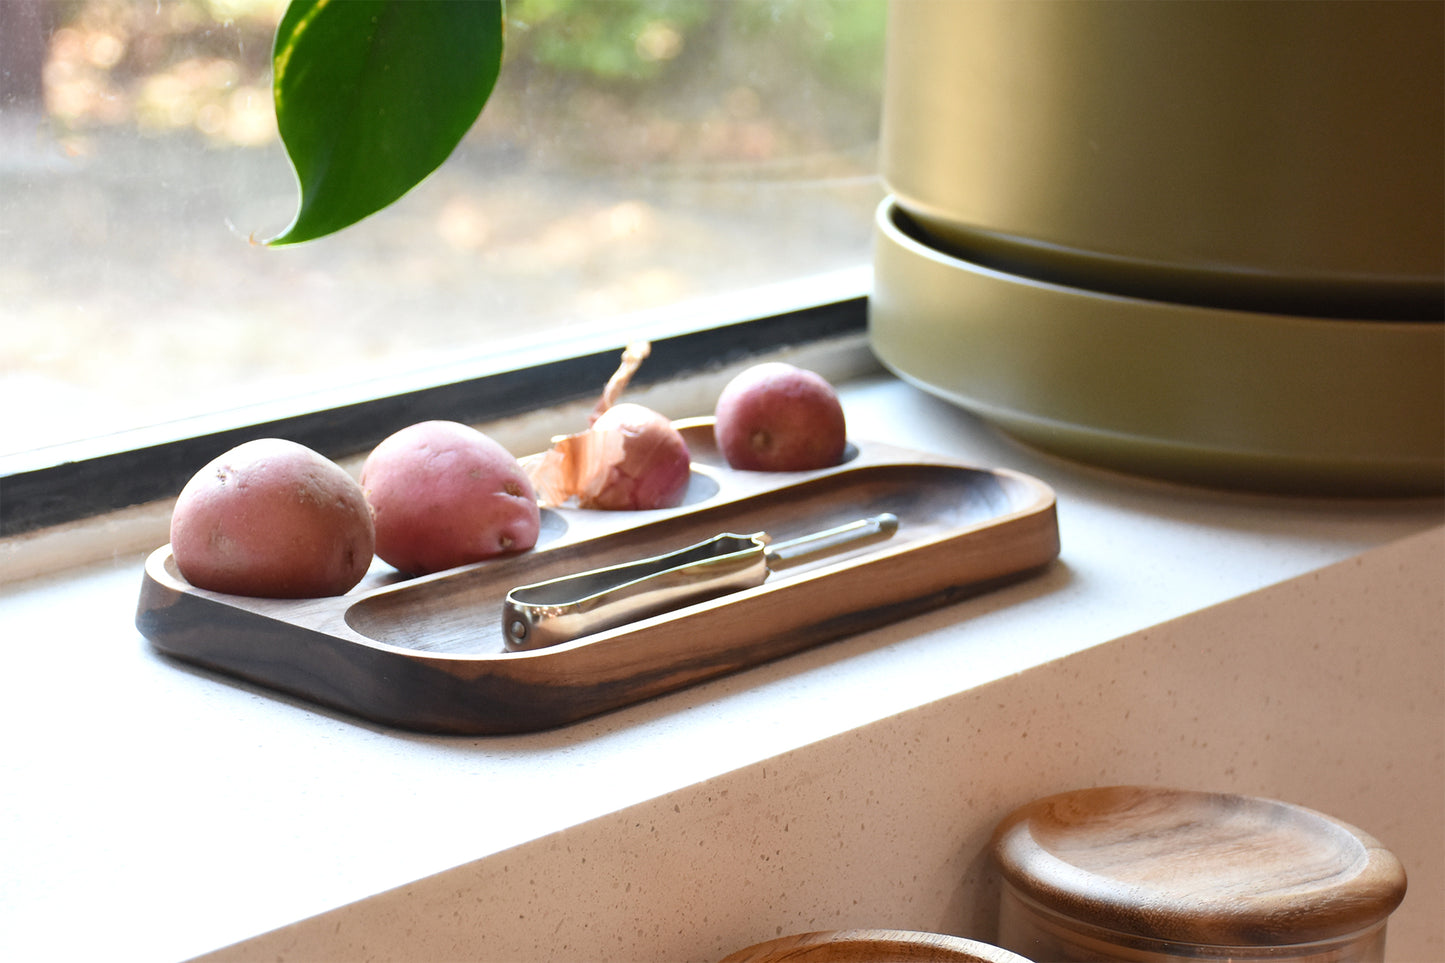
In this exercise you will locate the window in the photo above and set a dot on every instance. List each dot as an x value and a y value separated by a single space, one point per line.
639 161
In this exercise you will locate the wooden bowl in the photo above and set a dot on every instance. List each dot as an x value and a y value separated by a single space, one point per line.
873 946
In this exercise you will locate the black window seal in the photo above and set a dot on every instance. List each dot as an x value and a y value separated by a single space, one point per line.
70 482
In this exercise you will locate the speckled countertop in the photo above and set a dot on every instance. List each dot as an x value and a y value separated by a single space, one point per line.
1281 646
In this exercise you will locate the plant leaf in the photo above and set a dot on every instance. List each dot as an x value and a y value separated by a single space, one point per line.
372 95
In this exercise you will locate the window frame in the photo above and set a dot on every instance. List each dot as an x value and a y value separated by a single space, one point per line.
50 486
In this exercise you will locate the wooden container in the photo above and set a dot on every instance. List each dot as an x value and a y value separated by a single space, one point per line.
427 654
872 946
1150 874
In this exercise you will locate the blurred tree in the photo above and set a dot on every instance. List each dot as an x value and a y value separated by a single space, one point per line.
622 40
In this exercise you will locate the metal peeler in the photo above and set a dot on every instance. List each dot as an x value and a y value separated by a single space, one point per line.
561 609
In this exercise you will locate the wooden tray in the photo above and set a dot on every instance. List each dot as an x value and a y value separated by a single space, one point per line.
427 653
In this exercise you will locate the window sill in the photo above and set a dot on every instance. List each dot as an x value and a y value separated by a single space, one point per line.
138 528
55 486
1178 638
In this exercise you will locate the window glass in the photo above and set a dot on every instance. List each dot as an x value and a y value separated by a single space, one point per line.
636 155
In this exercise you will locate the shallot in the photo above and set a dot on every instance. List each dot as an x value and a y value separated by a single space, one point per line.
631 458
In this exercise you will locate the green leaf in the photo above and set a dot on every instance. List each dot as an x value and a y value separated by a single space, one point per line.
372 96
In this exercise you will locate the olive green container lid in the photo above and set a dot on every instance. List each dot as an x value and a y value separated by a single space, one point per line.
1201 868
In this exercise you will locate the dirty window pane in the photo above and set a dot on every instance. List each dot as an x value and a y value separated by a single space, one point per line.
637 155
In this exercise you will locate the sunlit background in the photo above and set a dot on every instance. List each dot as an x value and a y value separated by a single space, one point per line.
637 154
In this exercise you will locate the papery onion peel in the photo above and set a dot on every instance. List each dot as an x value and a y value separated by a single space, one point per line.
631 458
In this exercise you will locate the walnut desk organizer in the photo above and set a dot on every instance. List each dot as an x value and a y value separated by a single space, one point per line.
428 654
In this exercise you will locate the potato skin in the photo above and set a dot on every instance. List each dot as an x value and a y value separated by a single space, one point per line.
778 417
443 494
272 519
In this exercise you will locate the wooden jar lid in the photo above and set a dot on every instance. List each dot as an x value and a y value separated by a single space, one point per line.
873 946
1195 867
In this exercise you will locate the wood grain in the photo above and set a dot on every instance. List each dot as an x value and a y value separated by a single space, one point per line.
428 653
1197 867
872 946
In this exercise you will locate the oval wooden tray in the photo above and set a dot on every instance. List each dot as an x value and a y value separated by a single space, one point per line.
427 653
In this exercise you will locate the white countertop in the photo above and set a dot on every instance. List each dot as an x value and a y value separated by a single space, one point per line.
153 811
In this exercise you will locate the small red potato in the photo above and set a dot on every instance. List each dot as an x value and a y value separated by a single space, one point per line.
272 519
443 494
778 417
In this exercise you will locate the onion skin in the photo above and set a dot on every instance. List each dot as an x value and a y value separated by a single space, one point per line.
272 519
642 463
631 459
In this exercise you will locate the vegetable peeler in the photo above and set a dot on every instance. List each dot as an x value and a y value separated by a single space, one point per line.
558 610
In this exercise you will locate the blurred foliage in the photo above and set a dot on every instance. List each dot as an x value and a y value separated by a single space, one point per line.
608 40
840 40
637 39
176 64
616 40
741 77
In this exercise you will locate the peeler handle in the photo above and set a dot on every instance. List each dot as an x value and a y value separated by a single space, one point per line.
547 613
860 532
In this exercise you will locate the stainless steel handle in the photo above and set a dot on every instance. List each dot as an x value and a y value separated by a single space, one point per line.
558 610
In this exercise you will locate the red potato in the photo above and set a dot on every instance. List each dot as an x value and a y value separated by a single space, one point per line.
272 519
778 417
443 494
